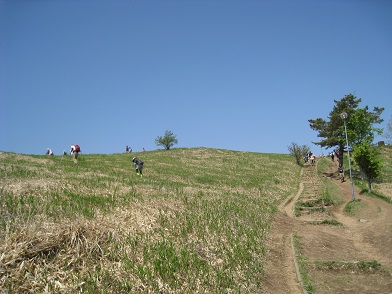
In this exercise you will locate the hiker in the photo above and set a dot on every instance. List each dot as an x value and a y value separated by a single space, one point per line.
312 158
49 152
341 173
138 164
75 149
332 156
128 149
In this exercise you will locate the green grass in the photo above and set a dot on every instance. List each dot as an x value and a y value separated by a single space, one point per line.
332 222
331 193
381 187
386 155
373 193
302 265
362 265
352 207
196 222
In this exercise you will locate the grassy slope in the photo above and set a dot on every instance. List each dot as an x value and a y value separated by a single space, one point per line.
381 187
196 221
384 187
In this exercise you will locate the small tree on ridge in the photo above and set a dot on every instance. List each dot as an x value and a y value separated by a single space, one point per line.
299 152
167 141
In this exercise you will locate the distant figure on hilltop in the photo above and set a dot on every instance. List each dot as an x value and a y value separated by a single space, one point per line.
138 164
75 149
49 152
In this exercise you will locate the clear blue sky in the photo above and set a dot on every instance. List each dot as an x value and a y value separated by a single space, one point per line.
238 75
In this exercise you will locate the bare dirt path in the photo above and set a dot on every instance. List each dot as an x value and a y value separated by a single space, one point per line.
364 237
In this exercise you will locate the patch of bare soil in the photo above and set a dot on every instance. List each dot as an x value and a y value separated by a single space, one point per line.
355 257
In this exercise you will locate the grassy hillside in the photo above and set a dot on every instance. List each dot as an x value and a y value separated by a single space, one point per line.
383 187
196 221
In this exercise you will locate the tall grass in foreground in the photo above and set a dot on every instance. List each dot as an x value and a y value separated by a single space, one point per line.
196 221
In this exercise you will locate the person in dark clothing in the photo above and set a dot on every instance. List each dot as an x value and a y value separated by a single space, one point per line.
341 173
138 164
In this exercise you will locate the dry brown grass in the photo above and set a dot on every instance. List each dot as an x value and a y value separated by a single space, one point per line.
213 207
61 252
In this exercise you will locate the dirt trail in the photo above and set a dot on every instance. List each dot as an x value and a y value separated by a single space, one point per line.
366 236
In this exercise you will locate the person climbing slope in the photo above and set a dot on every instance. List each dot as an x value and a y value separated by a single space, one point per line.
138 164
341 173
75 149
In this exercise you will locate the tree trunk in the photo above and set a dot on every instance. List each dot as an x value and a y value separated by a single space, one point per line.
362 174
341 150
370 184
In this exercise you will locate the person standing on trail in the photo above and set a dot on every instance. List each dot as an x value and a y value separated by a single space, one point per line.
138 164
75 149
341 173
312 158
